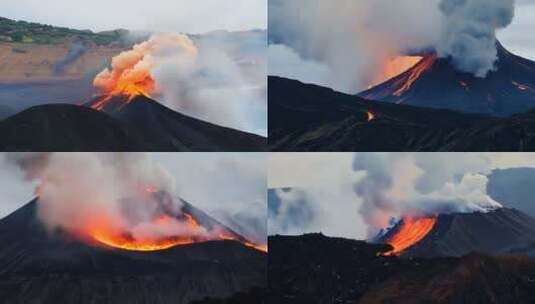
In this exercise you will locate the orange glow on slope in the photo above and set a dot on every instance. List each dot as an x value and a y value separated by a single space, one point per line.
410 231
371 116
114 238
259 247
395 67
416 72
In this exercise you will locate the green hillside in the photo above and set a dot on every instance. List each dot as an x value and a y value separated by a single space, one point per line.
29 32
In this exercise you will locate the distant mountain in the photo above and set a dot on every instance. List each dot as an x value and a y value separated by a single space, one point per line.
501 231
513 188
436 83
314 268
311 118
40 266
141 125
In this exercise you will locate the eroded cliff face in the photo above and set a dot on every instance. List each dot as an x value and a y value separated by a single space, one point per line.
22 63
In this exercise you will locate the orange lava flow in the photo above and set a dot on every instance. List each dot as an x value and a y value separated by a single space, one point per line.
395 67
371 116
416 72
112 238
127 243
130 89
259 247
411 231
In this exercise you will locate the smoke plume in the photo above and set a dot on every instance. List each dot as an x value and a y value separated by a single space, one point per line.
355 40
201 76
396 185
469 34
356 195
77 50
87 193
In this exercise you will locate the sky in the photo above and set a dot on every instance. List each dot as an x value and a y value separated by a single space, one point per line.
156 15
234 182
326 184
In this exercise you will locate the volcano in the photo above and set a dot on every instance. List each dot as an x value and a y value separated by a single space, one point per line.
501 231
436 83
139 124
310 118
175 130
42 266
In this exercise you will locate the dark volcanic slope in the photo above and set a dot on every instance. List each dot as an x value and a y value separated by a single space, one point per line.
317 269
68 128
37 267
311 118
435 83
142 125
179 131
500 231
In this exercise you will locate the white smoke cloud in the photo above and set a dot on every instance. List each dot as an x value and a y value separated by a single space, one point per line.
217 77
224 85
354 39
469 34
357 195
78 191
399 184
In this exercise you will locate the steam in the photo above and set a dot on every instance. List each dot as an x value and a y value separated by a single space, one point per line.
202 77
120 192
396 185
469 36
356 195
354 40
77 50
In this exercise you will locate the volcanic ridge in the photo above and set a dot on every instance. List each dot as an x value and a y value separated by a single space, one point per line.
126 123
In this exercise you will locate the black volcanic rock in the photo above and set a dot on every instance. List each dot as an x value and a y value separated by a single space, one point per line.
311 118
41 267
142 125
499 231
312 269
437 84
61 127
178 131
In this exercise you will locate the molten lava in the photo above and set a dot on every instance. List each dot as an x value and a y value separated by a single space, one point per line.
410 231
122 240
131 71
371 116
415 73
395 67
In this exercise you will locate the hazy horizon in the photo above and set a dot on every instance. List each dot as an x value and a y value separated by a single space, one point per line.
168 16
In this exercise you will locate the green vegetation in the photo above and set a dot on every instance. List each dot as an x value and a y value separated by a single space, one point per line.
28 32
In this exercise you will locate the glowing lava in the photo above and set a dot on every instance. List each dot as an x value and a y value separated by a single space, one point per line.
410 231
131 71
415 73
395 67
371 116
117 239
